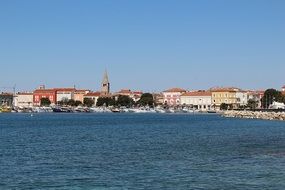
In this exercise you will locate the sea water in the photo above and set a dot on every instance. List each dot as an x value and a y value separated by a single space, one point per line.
140 151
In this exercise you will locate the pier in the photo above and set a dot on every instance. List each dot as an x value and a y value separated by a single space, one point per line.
273 115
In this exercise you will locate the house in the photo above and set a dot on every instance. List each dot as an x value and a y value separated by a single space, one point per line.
242 97
42 92
224 95
124 92
256 95
93 95
158 98
172 96
23 99
283 90
79 95
201 100
134 95
64 94
6 99
277 105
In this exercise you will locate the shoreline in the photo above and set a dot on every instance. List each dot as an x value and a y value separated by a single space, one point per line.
278 116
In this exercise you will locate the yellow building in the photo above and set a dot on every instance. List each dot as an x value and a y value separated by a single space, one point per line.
224 95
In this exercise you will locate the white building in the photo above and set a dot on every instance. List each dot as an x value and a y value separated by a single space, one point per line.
256 96
201 100
64 94
23 100
172 96
277 105
134 95
242 98
93 96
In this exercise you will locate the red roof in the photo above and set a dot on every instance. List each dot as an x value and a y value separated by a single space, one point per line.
137 92
45 91
260 92
175 90
198 93
81 90
283 86
54 90
93 94
125 91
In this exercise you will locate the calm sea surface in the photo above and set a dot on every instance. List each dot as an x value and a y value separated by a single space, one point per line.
140 151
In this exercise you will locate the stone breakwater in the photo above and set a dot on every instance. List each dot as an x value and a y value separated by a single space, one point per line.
255 115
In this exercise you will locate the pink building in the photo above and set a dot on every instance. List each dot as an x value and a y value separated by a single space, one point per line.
172 96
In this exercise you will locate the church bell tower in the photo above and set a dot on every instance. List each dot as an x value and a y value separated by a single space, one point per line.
105 86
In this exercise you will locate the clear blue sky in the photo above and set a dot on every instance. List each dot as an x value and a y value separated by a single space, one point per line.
145 45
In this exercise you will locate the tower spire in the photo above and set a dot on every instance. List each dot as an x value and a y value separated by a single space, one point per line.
105 86
105 78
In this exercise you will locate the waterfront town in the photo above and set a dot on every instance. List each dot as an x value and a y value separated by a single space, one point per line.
172 100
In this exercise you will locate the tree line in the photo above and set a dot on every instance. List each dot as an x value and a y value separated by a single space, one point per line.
121 100
270 95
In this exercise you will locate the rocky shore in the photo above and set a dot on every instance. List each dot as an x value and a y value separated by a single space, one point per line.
255 115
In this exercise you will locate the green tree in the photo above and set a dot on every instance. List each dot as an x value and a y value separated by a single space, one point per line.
146 99
271 95
105 101
60 103
63 102
45 102
77 103
225 106
252 104
71 102
124 101
88 102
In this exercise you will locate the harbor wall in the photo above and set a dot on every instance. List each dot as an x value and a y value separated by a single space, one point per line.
255 115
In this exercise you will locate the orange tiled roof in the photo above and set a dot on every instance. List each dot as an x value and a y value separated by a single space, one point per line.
198 93
81 90
125 91
93 94
261 92
175 90
137 92
44 90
